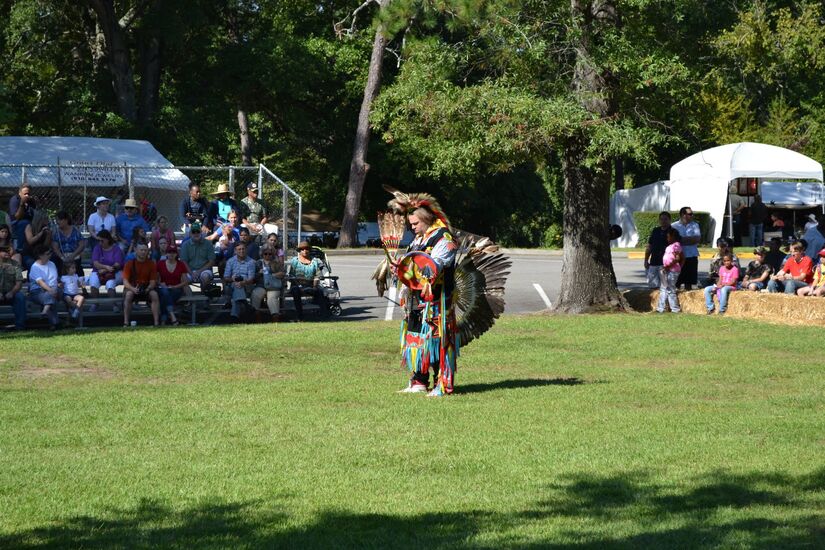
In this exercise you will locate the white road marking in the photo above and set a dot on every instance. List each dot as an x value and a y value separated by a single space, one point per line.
391 303
542 295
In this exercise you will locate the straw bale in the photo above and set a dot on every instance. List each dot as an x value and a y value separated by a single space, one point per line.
777 308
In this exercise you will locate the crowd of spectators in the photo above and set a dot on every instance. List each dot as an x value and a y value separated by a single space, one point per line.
796 270
146 259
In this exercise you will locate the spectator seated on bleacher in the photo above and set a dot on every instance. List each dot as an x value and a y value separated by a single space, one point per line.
7 242
199 255
107 263
67 243
269 283
723 246
252 248
138 237
100 220
305 274
140 281
272 241
37 236
71 284
127 222
795 274
758 271
225 237
43 285
173 277
239 279
817 286
11 286
161 231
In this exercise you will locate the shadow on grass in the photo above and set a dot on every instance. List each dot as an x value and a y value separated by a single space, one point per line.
518 383
632 511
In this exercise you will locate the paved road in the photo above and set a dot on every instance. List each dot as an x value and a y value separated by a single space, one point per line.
361 302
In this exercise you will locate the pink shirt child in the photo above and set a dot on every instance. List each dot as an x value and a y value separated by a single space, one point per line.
726 278
670 259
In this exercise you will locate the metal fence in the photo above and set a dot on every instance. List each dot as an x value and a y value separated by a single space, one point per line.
159 191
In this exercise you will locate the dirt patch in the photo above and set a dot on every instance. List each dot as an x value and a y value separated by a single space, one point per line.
34 373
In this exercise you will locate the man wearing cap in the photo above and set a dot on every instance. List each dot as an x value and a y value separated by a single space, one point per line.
199 255
223 204
239 278
11 284
126 223
305 274
194 207
758 271
100 220
253 212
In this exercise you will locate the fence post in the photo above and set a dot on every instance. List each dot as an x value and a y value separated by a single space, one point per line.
23 176
130 183
232 179
59 186
300 215
261 182
284 211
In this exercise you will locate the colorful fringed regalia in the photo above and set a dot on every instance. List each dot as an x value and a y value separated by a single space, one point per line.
452 290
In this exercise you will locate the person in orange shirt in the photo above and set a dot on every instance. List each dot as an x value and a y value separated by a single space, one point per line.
797 272
140 281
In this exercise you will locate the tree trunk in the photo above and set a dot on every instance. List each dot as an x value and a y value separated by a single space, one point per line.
117 58
246 140
359 167
588 282
149 80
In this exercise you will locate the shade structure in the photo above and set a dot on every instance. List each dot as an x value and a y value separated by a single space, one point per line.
701 181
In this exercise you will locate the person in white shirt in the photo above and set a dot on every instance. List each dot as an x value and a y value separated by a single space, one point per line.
690 234
72 287
43 285
100 220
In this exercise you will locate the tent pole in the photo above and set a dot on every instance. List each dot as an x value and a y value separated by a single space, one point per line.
730 217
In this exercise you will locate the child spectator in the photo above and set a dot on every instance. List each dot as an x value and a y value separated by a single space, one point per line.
724 247
817 286
161 230
7 242
758 271
43 285
728 279
796 273
72 289
138 237
672 262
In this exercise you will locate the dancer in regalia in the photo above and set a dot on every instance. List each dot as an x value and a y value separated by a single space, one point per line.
451 292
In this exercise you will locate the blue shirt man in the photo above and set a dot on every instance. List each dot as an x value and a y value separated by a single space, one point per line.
128 221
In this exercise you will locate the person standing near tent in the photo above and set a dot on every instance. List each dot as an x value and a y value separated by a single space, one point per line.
656 244
737 206
758 213
690 234
815 237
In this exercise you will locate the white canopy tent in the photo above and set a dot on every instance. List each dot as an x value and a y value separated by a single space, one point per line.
701 181
623 203
76 169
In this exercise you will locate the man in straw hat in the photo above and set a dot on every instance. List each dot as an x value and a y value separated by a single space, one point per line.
126 223
223 204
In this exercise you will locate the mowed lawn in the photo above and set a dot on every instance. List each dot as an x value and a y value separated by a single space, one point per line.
647 431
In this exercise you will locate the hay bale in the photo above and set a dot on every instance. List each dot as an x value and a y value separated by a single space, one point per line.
773 308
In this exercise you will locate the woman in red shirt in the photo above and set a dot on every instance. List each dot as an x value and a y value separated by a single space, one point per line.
174 277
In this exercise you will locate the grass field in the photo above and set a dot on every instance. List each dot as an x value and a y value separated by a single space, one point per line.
616 431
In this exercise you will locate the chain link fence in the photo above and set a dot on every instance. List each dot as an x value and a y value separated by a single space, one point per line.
159 191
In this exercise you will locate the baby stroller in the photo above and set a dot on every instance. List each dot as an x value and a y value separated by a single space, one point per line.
328 282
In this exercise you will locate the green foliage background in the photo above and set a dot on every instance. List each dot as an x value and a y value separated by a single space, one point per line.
476 101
